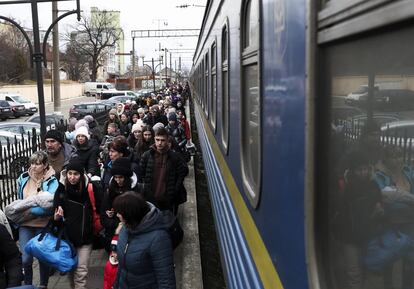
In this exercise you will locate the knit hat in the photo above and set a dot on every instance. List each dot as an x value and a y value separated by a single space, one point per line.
75 165
80 123
122 167
82 131
54 134
114 243
137 126
157 126
172 117
113 111
141 110
89 118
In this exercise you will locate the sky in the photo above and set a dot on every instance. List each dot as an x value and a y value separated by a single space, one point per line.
135 15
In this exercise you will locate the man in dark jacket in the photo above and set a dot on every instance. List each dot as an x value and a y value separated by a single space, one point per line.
162 173
10 261
59 153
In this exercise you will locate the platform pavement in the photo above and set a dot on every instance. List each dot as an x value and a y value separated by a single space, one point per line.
187 258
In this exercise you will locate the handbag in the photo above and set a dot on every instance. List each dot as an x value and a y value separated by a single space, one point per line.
386 249
52 250
176 233
97 225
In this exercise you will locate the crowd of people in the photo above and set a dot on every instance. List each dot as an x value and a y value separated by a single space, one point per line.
118 188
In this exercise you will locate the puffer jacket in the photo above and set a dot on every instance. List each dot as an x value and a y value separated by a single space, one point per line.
145 255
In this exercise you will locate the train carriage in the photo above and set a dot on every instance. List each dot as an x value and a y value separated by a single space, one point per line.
293 178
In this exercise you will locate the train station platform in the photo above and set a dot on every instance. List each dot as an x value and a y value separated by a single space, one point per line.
187 257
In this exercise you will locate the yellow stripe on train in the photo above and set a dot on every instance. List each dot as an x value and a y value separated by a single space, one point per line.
261 257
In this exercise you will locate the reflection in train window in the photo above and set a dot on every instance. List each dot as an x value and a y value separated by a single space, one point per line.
225 89
251 103
365 181
206 86
213 86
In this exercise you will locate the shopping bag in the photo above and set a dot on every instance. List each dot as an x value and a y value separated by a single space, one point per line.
49 248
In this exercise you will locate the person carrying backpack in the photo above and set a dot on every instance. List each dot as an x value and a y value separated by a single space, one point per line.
74 210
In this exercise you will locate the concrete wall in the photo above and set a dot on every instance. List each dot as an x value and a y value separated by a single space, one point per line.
30 91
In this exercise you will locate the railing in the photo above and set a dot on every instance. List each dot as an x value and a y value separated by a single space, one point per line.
14 160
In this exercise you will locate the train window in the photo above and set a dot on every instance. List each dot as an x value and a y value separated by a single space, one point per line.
366 159
206 87
251 103
213 85
225 89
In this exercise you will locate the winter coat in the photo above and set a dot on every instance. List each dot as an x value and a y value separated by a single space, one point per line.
40 205
145 255
77 211
10 261
124 129
5 222
176 131
107 173
110 224
88 156
177 170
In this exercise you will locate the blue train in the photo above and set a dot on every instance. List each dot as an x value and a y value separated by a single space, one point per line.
294 104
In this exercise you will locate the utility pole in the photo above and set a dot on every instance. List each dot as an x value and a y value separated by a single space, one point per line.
170 66
56 64
133 64
166 76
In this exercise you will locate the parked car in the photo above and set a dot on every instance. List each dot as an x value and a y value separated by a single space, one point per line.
5 110
20 127
111 102
395 99
98 110
94 88
52 120
30 107
17 109
108 94
145 92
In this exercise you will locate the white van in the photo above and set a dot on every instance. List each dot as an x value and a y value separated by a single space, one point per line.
94 88
15 98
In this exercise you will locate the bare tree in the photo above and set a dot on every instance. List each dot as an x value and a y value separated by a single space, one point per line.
75 64
13 54
93 37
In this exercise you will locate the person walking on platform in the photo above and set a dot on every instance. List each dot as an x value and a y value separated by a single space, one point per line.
38 183
123 179
58 151
144 248
163 172
74 205
10 260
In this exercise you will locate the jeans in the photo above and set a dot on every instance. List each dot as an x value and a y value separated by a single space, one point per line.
25 234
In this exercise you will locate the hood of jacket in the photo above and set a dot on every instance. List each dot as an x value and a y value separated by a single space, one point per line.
153 220
134 180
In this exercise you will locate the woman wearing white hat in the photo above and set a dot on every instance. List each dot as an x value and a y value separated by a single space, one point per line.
88 153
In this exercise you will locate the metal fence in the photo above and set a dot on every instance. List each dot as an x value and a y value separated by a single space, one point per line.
14 160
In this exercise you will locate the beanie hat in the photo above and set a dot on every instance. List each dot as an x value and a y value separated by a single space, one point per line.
157 126
172 117
80 123
122 167
75 165
137 126
82 131
89 118
141 110
113 111
54 134
114 243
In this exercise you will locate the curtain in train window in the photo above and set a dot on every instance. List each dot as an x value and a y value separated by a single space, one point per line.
366 211
251 128
213 85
